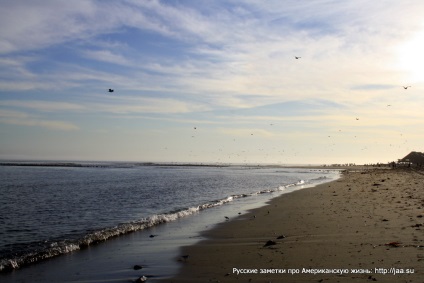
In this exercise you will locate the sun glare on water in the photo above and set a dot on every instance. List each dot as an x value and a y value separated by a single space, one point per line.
410 59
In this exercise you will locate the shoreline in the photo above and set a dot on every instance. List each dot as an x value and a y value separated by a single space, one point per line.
364 226
114 258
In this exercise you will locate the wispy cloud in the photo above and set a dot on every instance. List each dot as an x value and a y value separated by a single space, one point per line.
122 105
253 132
225 64
24 119
235 48
107 56
46 106
147 105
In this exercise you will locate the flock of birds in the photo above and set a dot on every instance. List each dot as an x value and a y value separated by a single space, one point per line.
185 257
357 119
297 58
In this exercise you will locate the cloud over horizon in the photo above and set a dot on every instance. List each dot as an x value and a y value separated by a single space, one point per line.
195 60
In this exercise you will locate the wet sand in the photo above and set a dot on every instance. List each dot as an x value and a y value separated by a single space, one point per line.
366 226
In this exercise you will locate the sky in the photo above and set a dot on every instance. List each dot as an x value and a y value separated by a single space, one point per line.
211 81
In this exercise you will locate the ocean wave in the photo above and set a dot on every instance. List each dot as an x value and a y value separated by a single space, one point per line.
53 248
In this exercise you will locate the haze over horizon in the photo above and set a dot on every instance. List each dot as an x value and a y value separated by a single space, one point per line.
211 81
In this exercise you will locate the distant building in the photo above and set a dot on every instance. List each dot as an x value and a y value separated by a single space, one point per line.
413 159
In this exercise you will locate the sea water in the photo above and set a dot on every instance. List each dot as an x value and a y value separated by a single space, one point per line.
48 210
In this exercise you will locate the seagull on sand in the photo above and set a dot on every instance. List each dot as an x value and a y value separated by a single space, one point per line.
111 90
406 87
297 57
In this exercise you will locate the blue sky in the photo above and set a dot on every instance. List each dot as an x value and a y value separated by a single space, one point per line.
211 81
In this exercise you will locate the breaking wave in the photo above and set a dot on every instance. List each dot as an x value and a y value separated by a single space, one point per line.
35 252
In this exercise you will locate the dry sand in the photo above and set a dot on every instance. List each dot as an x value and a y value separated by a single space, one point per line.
369 220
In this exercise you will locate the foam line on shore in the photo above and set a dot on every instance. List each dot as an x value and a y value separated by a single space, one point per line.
46 250
366 222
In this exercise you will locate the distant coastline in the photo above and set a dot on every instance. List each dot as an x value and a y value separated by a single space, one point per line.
123 164
101 164
118 164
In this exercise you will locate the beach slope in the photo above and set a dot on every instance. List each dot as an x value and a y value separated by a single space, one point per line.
366 226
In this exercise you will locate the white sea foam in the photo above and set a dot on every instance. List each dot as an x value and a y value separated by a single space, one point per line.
57 247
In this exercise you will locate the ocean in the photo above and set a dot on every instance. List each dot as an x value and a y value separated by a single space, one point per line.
56 212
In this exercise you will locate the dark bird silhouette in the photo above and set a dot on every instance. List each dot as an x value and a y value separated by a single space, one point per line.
152 236
406 87
111 90
297 57
227 218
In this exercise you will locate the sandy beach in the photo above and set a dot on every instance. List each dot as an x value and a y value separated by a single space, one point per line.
366 226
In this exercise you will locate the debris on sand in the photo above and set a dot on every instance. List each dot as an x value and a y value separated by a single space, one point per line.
270 243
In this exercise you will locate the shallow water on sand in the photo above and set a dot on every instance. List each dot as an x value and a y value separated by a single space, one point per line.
71 206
